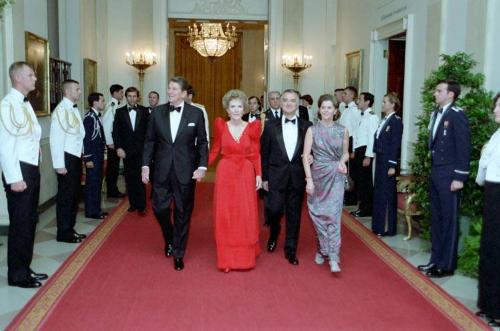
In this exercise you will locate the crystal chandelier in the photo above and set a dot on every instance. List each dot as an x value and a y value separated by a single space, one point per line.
211 40
141 61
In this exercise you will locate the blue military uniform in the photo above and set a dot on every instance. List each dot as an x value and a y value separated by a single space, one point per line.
450 146
93 150
387 147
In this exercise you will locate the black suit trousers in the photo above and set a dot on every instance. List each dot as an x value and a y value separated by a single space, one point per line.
136 190
289 203
23 216
182 195
112 171
93 187
363 181
68 196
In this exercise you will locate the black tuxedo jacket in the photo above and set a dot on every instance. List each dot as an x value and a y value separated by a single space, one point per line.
130 140
270 115
276 167
303 113
183 155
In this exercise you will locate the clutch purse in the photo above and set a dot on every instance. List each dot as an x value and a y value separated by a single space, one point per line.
349 183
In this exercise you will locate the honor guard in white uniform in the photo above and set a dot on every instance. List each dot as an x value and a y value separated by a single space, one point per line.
113 164
362 165
19 159
66 144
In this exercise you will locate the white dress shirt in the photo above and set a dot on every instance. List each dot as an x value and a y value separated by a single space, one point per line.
20 136
382 123
350 118
132 114
107 120
66 132
438 119
489 164
175 120
365 132
290 135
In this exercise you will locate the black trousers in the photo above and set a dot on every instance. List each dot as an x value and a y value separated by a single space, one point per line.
182 195
363 181
489 253
444 219
112 171
23 216
289 203
136 190
385 199
68 196
93 187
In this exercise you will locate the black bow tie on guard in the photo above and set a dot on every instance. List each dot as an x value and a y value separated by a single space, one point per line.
132 108
177 109
291 121
75 106
25 99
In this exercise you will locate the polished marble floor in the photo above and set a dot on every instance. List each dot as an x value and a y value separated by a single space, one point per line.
50 254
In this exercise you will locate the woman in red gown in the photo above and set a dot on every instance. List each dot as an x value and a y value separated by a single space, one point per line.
237 179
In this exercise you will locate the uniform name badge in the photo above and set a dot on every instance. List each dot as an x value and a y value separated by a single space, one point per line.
445 127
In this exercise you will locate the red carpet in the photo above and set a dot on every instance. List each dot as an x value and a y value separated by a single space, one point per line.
119 279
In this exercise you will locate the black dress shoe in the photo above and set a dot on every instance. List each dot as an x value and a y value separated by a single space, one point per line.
292 258
354 212
80 235
169 250
389 234
426 267
131 209
482 314
494 323
359 213
28 283
439 273
36 276
378 234
178 263
96 217
74 239
271 245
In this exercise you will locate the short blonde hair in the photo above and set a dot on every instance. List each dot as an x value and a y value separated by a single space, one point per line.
234 95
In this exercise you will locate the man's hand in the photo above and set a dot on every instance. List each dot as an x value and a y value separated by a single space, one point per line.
111 146
265 185
121 153
62 171
351 156
145 175
366 161
198 174
18 186
258 182
391 172
89 164
456 185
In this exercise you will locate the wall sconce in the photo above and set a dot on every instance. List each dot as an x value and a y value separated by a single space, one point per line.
296 64
141 61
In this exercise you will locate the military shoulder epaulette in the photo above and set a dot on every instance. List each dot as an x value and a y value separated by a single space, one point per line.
397 117
457 109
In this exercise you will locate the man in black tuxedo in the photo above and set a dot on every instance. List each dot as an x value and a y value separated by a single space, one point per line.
129 130
283 176
302 110
177 137
274 110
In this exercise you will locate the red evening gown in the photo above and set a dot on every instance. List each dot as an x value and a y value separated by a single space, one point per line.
235 198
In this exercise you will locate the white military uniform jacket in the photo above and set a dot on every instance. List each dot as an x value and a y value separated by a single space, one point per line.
66 132
364 134
489 164
350 118
107 120
20 136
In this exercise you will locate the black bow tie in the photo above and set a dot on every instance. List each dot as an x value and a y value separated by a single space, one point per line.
25 99
253 115
440 110
132 108
75 106
177 109
362 113
291 121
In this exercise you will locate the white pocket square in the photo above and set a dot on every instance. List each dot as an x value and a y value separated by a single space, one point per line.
191 124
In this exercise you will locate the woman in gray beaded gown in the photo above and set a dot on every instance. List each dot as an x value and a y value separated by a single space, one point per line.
328 143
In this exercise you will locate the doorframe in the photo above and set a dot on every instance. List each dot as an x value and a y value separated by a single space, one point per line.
378 76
